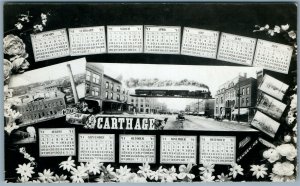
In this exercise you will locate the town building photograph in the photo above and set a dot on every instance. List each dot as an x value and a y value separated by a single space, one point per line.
203 100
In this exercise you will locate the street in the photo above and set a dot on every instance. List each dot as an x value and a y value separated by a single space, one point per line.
202 123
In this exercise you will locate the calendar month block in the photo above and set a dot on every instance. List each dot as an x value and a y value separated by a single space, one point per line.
162 39
236 49
50 45
178 149
57 142
125 39
199 42
217 149
96 146
87 40
273 56
137 149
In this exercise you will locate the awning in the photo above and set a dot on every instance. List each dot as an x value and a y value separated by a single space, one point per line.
93 99
113 101
243 111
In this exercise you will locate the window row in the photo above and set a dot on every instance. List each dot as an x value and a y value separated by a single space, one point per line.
95 77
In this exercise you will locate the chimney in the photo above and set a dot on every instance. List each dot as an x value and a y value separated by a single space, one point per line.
76 99
245 75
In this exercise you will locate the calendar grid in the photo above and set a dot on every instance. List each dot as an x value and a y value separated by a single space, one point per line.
57 142
96 146
87 40
125 38
50 44
236 49
152 39
273 56
162 39
143 145
217 149
200 42
183 154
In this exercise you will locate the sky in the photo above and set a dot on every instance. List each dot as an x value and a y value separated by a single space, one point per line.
52 72
213 76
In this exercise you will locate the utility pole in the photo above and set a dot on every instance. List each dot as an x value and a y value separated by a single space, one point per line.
239 99
198 107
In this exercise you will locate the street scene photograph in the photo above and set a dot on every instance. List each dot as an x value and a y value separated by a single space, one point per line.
265 124
271 106
181 97
273 87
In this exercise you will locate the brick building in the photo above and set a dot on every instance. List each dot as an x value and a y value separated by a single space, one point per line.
42 107
237 96
94 86
115 96
147 105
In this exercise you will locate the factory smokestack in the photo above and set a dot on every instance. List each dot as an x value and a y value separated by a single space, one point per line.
76 99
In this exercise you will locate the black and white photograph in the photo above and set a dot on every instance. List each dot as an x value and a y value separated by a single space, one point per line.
197 98
273 87
270 106
132 92
265 124
41 94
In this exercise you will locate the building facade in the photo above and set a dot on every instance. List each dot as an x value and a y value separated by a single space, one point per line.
203 107
94 86
42 108
146 105
236 98
115 96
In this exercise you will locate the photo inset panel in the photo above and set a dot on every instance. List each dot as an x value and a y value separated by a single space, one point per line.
265 124
271 106
273 87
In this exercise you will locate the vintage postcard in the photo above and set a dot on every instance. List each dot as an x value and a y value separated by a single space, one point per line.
149 92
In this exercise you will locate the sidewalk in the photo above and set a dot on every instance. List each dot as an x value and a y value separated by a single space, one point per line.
236 122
